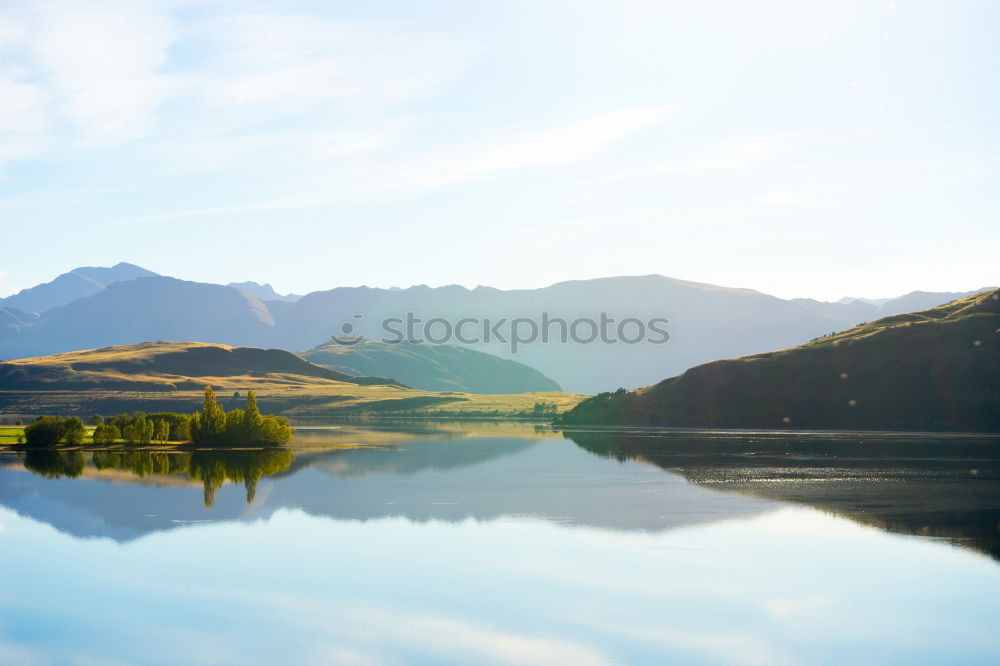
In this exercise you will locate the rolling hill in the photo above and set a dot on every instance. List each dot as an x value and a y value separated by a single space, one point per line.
935 369
171 376
432 367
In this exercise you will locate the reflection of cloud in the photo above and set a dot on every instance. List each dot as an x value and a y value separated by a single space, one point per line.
465 639
721 647
16 654
344 657
783 607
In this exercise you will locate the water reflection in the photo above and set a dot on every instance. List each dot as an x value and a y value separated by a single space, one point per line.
211 468
926 485
942 486
451 546
417 474
55 464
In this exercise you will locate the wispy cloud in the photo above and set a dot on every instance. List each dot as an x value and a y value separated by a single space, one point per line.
316 185
103 72
23 117
293 62
562 145
737 154
101 63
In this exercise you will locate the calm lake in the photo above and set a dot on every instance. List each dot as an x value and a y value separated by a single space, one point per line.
507 543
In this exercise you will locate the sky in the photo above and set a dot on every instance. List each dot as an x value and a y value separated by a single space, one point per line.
799 147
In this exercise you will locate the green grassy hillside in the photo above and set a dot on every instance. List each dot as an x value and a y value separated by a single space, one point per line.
936 369
432 367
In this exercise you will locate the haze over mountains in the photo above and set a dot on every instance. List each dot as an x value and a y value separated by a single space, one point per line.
706 322
935 369
265 291
68 287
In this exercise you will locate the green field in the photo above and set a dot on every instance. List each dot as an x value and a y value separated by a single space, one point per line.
9 434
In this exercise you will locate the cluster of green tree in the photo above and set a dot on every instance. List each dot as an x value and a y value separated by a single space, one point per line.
211 427
140 428
52 430
215 427
596 409
545 409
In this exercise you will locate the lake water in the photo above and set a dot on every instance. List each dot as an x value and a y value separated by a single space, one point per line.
508 544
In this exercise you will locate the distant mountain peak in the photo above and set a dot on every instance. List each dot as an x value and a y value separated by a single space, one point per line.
264 292
78 283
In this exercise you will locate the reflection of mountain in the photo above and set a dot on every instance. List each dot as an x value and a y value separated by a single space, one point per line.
944 486
420 479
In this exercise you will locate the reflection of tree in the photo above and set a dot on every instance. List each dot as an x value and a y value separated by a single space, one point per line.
143 463
55 464
212 468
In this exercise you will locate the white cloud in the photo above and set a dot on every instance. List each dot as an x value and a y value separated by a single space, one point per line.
23 117
571 143
22 107
304 148
293 62
323 184
737 154
101 61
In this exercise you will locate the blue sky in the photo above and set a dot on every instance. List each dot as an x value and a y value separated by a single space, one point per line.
801 148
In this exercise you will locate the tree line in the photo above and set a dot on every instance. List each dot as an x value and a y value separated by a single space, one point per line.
211 427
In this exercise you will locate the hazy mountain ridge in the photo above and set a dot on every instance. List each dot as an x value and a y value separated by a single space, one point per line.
143 310
68 287
706 322
936 369
432 367
264 292
853 311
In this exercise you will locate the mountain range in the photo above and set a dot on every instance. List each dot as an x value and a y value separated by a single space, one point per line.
68 287
938 369
705 322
